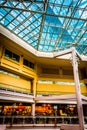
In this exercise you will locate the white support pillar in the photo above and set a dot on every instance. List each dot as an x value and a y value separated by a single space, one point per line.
78 92
34 93
33 110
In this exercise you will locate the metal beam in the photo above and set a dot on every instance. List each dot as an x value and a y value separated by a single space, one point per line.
84 98
61 53
60 97
77 87
42 12
20 9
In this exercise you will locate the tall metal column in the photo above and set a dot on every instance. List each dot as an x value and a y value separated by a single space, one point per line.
77 86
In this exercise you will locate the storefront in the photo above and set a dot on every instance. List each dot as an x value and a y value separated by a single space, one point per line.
45 113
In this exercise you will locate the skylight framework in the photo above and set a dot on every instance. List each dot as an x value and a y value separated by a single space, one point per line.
47 25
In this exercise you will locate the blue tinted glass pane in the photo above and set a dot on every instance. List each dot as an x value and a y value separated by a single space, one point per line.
15 22
42 42
45 47
83 4
17 31
43 35
21 27
22 33
55 36
63 11
52 43
15 13
26 38
20 18
20 5
4 22
26 23
26 31
45 29
0 17
56 10
40 47
9 17
11 26
3 12
26 14
46 43
51 48
1 1
67 2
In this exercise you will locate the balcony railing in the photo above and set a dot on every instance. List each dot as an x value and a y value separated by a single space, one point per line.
39 120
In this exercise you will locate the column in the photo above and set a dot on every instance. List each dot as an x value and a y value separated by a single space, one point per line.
34 93
33 109
77 87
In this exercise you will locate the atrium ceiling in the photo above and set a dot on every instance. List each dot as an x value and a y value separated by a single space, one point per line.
47 25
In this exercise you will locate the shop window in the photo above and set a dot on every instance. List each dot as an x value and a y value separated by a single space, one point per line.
28 64
11 55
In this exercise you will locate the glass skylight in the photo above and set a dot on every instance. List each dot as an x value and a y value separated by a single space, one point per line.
47 25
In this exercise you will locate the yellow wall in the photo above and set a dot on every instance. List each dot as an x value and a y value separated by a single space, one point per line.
17 67
58 89
14 83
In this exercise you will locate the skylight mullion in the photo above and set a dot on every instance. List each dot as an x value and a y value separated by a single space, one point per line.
79 32
41 29
29 31
5 15
77 23
62 25
46 34
85 48
33 42
35 35
9 11
41 26
82 25
50 39
38 4
61 6
25 9
70 19
24 22
21 12
66 6
13 19
72 13
12 15
3 2
41 12
28 26
52 35
32 37
81 36
81 50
